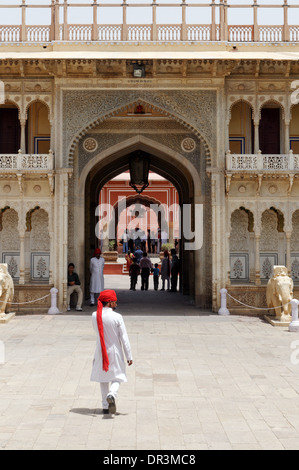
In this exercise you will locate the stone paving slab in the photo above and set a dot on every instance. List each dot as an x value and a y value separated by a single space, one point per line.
197 382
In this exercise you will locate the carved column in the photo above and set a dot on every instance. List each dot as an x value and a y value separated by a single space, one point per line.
65 28
287 136
213 25
257 258
56 21
184 25
23 135
124 26
22 257
23 26
256 136
288 251
286 30
95 21
154 21
255 22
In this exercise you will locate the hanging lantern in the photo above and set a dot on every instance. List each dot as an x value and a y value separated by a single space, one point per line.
139 170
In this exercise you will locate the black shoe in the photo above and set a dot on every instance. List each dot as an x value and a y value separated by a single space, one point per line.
105 412
112 405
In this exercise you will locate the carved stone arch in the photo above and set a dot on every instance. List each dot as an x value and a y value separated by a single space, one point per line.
248 208
10 232
10 100
39 100
94 123
137 199
279 209
292 106
271 100
29 218
241 99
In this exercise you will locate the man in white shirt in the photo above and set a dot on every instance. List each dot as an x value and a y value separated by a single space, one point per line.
112 342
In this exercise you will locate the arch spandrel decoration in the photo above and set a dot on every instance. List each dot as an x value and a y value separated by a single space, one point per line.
84 110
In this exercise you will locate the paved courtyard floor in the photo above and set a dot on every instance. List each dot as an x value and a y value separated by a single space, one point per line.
199 381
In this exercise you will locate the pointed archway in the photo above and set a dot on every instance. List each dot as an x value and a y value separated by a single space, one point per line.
170 165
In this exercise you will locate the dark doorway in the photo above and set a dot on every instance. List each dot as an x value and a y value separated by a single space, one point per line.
269 130
9 130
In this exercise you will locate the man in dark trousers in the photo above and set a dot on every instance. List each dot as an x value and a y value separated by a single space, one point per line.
146 266
175 269
134 273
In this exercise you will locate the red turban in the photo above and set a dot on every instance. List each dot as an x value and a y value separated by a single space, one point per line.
105 296
97 251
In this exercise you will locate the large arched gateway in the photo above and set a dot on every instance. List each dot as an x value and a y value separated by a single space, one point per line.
189 179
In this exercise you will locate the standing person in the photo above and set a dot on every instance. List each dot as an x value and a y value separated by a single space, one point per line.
149 243
159 240
73 285
134 273
153 242
111 343
143 241
165 270
138 254
125 240
175 269
96 275
156 276
131 241
146 266
129 260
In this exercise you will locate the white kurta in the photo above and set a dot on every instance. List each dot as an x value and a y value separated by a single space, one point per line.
96 275
117 343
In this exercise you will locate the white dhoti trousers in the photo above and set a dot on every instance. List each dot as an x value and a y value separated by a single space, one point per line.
106 390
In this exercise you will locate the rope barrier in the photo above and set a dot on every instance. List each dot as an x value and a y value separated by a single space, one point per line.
257 308
28 302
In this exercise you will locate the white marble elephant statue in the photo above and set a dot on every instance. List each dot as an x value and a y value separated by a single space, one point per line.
279 293
6 289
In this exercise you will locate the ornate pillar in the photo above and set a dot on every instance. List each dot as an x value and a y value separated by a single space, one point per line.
288 251
23 136
95 21
22 256
287 136
184 25
256 136
257 258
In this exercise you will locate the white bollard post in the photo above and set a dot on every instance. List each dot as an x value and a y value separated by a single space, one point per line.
294 325
223 309
53 310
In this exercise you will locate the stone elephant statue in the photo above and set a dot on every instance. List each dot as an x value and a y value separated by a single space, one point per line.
279 293
6 289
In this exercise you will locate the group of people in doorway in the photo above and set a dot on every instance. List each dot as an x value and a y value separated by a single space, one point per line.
149 241
138 263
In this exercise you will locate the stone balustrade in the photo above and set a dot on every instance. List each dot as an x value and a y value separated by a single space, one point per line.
26 162
262 163
218 30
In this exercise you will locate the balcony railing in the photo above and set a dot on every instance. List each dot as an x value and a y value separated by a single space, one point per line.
26 162
220 30
262 163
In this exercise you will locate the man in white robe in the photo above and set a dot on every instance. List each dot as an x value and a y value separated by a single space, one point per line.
112 342
96 275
